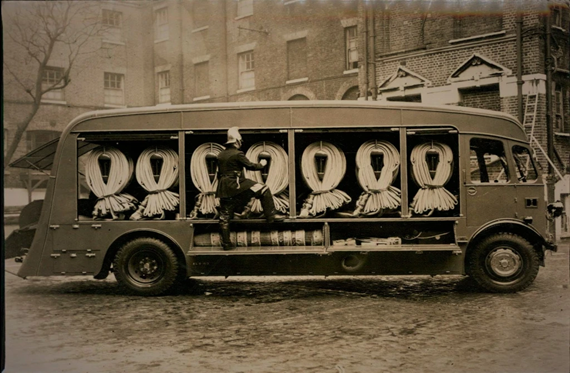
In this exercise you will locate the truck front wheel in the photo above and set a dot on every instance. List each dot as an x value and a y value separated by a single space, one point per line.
147 266
503 263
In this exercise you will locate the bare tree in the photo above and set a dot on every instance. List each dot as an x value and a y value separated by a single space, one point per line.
36 31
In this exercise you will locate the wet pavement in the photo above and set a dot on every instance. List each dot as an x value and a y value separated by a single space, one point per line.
273 324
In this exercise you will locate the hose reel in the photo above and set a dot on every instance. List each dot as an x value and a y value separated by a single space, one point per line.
323 181
111 202
432 194
203 170
377 165
159 199
275 175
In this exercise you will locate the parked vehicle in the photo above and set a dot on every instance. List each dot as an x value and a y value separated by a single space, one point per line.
367 188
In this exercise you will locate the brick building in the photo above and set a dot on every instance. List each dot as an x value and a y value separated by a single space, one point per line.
439 51
465 53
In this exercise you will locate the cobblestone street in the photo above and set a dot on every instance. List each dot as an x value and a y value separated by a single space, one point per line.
379 324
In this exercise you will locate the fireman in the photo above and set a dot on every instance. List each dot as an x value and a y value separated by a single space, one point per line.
235 191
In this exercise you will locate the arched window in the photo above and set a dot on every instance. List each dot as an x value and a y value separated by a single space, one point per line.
351 94
298 98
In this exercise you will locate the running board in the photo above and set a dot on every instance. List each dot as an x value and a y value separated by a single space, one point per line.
272 250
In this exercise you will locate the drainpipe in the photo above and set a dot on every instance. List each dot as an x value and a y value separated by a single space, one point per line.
549 122
181 58
373 50
225 57
519 24
367 78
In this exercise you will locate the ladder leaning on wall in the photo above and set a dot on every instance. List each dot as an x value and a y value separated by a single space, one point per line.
529 121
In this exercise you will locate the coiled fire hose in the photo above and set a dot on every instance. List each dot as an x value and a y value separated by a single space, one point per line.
277 174
379 194
324 195
110 199
206 201
159 199
432 195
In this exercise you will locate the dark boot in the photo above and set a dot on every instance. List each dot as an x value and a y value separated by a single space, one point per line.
225 236
269 207
226 211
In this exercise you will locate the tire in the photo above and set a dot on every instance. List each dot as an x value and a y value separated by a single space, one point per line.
503 263
147 266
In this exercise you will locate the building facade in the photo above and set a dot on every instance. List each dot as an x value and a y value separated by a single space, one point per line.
496 55
194 51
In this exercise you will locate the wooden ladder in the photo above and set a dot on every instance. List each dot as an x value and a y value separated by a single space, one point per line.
529 121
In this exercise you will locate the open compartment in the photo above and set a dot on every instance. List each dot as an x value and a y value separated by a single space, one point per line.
336 167
433 172
386 235
202 148
127 176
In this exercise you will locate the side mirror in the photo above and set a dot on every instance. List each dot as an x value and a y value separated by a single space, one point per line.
555 209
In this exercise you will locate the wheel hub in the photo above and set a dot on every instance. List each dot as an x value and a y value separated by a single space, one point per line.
504 262
147 266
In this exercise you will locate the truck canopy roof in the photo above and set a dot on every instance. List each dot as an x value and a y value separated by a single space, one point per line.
281 115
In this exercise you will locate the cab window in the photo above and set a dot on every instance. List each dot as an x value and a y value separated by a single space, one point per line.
525 168
488 162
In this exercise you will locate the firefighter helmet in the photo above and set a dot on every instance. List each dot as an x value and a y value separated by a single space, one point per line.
233 136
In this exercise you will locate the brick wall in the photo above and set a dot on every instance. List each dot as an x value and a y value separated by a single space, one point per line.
482 98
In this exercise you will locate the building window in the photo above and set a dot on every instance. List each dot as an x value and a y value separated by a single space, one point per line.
53 77
558 108
297 59
161 24
35 139
244 8
298 97
112 18
351 44
246 70
352 93
556 17
475 18
200 13
164 87
114 89
201 79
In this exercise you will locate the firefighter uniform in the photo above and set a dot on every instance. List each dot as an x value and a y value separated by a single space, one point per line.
235 191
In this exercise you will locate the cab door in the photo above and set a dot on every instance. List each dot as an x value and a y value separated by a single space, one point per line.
530 190
489 189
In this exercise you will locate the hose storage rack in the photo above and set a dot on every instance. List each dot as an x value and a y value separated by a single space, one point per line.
357 190
370 181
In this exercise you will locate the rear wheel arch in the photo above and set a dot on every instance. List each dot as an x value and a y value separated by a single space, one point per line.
129 236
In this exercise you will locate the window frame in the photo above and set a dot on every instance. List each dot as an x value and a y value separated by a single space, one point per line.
558 95
245 67
111 91
114 15
31 140
161 25
347 47
244 8
163 78
507 163
291 78
48 81
197 93
531 163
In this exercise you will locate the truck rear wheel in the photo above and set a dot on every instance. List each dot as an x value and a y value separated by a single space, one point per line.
147 266
503 263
